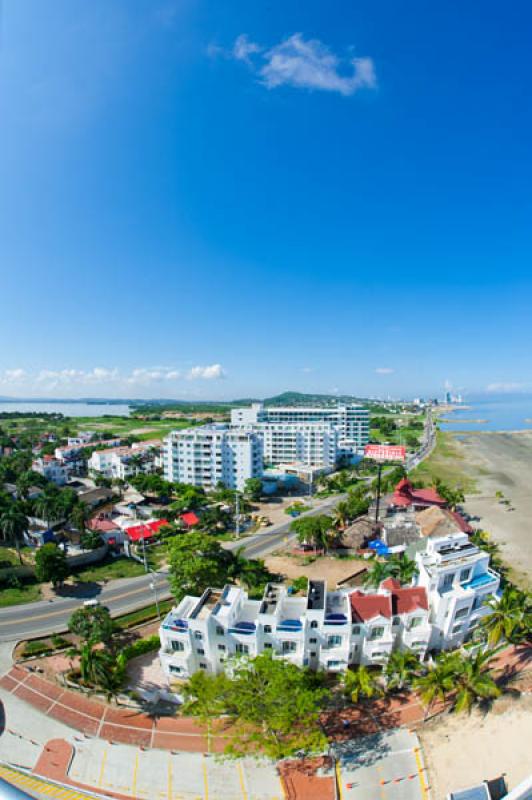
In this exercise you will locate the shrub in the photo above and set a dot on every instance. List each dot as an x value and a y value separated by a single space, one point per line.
36 648
141 647
60 641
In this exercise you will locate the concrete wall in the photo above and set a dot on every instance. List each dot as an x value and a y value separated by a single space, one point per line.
89 557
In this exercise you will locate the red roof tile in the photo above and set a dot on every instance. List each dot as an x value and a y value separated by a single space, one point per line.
392 584
406 600
189 518
147 531
368 606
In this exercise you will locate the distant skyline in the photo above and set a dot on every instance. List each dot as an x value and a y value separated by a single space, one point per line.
205 200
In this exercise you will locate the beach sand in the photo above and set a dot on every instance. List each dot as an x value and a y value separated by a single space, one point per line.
503 462
463 750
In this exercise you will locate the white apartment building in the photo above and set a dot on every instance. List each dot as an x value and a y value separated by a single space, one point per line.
324 630
312 443
350 421
212 454
122 462
52 469
458 580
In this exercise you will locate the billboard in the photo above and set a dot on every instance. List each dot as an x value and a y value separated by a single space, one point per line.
385 452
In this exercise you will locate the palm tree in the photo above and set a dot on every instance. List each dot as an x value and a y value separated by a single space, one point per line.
402 667
510 617
378 572
79 517
474 681
361 683
403 568
14 524
341 515
438 682
46 507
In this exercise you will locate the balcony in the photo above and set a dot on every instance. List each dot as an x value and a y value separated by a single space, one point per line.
335 619
290 626
481 581
245 628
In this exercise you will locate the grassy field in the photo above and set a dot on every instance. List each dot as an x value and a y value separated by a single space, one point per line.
447 464
119 426
27 593
109 569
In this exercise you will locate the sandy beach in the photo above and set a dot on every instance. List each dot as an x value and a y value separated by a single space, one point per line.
503 462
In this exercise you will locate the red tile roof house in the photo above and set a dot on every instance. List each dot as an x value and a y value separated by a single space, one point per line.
405 496
189 519
146 531
394 618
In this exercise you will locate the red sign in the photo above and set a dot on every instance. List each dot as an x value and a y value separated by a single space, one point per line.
385 452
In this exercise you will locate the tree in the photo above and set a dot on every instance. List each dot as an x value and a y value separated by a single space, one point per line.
274 707
93 624
46 505
14 524
313 530
205 697
253 489
100 669
361 682
510 617
90 540
79 516
197 561
51 564
474 681
452 495
401 669
377 573
402 568
437 682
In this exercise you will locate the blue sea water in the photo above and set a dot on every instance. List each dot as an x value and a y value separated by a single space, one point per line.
497 412
67 409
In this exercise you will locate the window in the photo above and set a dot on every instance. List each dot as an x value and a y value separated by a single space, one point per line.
396 621
198 635
313 641
378 654
174 669
242 648
419 644
462 612
356 630
177 647
267 629
334 664
289 647
376 633
415 623
202 665
477 602
267 645
314 623
219 630
448 580
334 641
200 651
464 575
456 629
313 654
221 647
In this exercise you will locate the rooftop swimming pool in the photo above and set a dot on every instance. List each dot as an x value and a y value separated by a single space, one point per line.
480 580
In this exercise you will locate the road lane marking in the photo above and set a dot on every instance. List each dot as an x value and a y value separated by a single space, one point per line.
205 778
421 773
135 769
102 768
242 782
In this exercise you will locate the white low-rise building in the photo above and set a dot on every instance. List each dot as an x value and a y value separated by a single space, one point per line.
52 469
212 454
458 581
122 462
324 630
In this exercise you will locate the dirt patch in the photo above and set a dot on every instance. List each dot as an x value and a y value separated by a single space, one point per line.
462 750
326 568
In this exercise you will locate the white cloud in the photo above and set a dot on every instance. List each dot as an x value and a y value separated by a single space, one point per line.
384 370
243 48
504 387
306 64
12 375
211 372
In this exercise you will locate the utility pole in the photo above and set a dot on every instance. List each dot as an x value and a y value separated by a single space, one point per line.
153 587
237 514
378 503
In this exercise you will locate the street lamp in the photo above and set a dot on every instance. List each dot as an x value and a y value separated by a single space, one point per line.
153 587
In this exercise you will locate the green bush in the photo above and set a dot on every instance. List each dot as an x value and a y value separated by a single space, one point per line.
142 615
36 648
300 584
141 647
60 641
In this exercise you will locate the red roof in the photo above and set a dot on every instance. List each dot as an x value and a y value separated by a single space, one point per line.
406 495
392 584
190 519
105 525
367 606
146 531
464 526
406 600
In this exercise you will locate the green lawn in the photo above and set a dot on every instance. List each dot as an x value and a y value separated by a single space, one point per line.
28 593
446 464
109 569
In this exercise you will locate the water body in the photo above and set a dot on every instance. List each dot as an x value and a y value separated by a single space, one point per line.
67 409
492 413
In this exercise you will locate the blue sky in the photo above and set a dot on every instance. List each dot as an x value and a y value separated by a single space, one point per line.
222 199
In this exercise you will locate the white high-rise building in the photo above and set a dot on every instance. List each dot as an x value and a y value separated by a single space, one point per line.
311 443
212 454
458 580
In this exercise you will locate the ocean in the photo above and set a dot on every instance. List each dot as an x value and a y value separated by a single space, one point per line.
68 409
492 413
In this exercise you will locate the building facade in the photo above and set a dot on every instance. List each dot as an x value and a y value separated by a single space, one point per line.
122 462
212 454
314 444
350 421
324 630
458 581
52 469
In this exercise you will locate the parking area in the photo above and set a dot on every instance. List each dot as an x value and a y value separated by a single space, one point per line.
171 776
384 766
